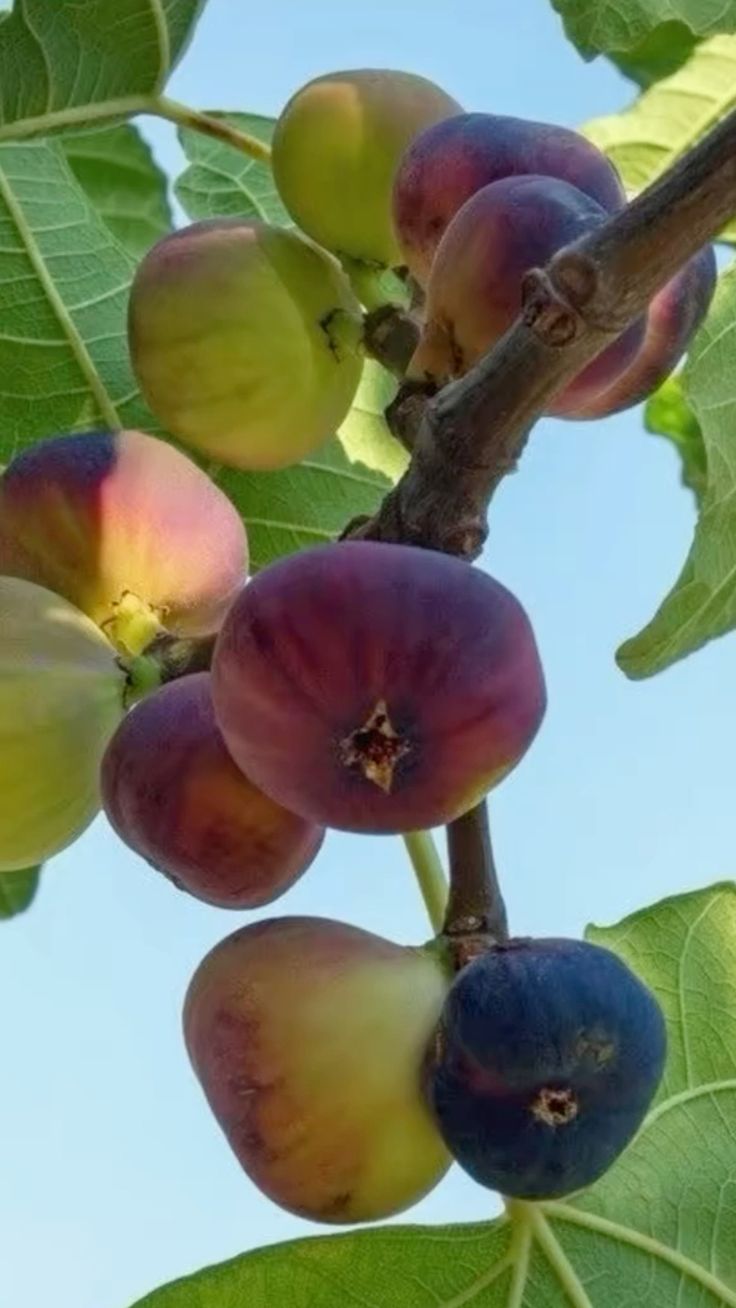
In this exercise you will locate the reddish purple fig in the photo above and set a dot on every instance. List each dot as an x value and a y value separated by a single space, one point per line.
475 290
448 162
377 687
673 317
172 792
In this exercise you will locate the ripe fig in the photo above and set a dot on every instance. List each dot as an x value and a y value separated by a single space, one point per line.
127 529
308 1038
547 1057
475 289
245 340
61 697
376 687
450 161
172 792
673 317
336 148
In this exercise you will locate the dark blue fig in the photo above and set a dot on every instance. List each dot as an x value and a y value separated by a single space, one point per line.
547 1057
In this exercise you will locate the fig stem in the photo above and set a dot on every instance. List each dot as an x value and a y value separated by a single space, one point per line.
475 905
391 335
429 874
208 125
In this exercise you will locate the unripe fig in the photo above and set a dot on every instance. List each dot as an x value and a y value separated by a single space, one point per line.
672 319
475 288
547 1057
172 792
336 148
245 340
61 697
451 160
127 529
376 687
308 1038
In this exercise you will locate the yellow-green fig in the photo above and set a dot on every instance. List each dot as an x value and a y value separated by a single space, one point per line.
309 1039
61 698
246 341
336 149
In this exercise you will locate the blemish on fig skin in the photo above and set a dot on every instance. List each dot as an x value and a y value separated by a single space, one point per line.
375 748
555 1106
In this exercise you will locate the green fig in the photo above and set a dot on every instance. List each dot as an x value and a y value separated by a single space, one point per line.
245 340
336 148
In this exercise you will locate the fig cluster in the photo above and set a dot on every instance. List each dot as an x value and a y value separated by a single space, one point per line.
364 687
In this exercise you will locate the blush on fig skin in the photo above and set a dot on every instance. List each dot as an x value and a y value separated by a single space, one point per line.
172 792
475 290
308 1038
673 317
425 666
98 516
449 162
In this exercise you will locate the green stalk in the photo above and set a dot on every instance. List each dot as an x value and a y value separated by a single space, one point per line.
429 874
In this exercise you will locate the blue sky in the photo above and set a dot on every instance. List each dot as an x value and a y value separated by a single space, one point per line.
113 1176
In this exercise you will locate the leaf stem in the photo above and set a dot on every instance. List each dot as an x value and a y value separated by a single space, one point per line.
208 125
429 873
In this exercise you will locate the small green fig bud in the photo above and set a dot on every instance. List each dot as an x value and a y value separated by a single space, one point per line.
245 340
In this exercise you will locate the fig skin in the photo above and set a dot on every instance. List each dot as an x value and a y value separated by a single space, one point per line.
308 1036
246 341
172 792
376 687
450 161
126 528
475 289
547 1057
336 148
61 698
673 317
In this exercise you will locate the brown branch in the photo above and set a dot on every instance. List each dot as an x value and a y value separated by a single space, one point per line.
475 908
471 434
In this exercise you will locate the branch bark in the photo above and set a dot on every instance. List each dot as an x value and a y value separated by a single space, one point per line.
469 436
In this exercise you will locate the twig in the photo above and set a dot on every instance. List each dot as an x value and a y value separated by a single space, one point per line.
470 435
475 906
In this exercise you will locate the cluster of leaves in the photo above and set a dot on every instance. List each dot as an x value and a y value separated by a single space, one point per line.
80 199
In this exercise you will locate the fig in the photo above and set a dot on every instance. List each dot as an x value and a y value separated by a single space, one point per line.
672 319
547 1056
450 161
336 148
376 687
127 529
245 340
172 792
475 289
308 1037
61 698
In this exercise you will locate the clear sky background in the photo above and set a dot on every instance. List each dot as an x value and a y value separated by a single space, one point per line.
113 1176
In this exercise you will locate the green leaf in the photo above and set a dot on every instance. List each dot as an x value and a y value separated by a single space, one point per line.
600 26
668 413
702 603
671 116
658 55
17 891
658 1230
312 502
63 299
58 59
116 168
223 181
